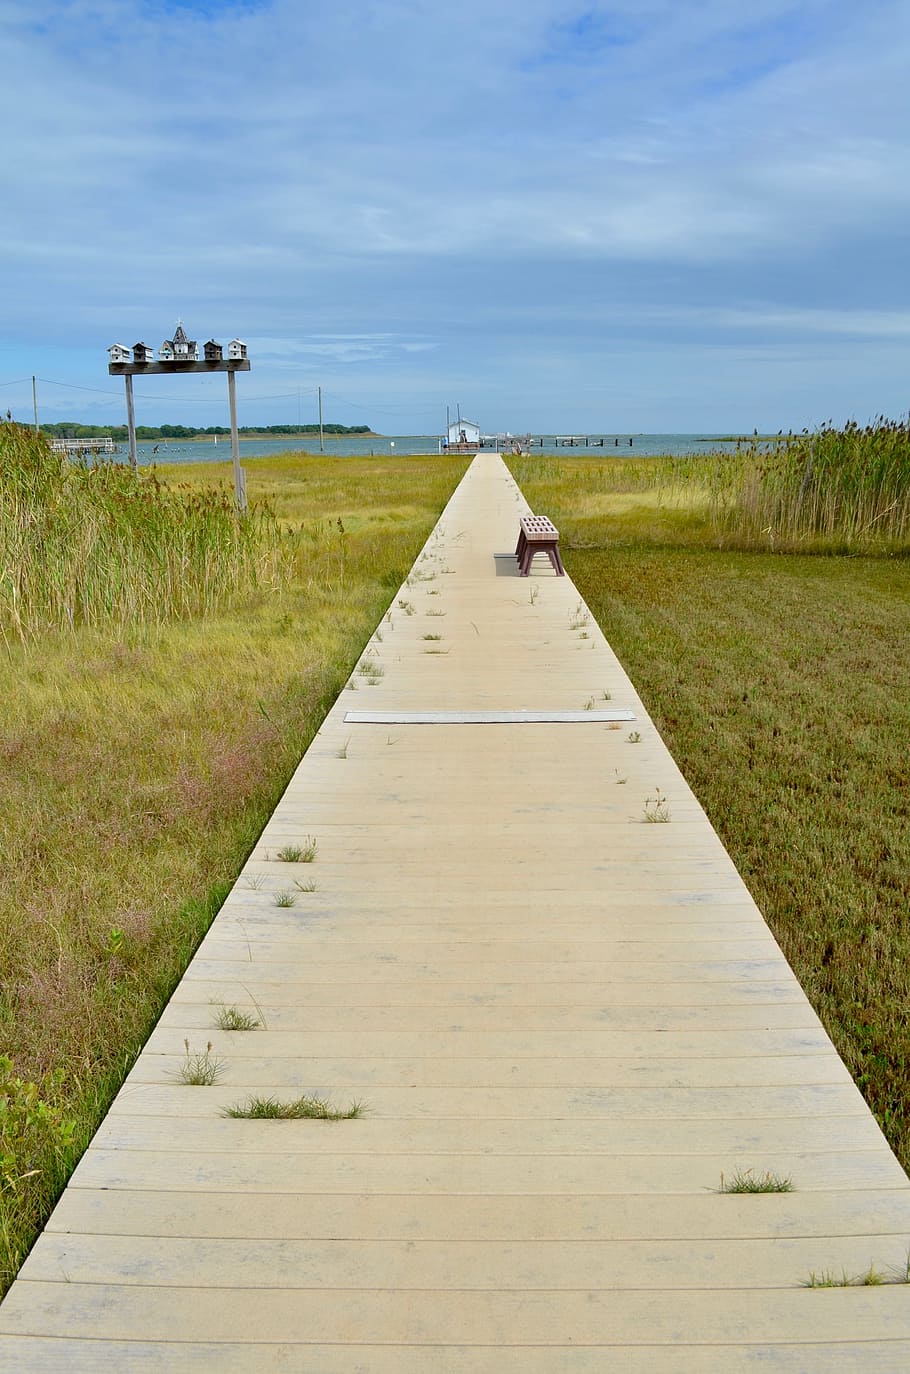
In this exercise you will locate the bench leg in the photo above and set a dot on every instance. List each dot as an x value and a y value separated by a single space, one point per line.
552 552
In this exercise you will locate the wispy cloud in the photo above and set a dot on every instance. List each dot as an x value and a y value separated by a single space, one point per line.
284 353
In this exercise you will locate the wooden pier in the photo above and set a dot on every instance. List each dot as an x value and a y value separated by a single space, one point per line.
576 441
547 441
568 1025
100 444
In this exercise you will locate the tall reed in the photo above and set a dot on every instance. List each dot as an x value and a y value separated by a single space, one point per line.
102 546
841 489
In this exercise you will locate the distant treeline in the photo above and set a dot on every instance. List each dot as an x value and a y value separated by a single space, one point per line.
65 429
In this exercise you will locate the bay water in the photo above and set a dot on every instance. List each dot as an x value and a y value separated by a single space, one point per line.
345 446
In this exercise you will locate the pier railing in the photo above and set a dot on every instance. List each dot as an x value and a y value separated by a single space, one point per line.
96 445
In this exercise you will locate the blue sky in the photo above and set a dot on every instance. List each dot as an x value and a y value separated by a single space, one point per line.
639 215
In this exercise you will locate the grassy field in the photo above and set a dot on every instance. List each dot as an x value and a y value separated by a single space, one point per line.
779 682
138 764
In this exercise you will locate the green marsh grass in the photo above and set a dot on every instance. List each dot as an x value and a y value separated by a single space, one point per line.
139 763
98 546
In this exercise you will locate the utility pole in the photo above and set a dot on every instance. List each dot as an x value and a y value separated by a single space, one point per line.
321 444
35 402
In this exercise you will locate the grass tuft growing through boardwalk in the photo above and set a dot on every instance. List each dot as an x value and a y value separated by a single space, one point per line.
200 1068
299 853
233 1019
300 1109
748 1181
867 1278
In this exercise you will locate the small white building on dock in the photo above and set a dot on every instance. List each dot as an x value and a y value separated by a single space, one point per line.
463 432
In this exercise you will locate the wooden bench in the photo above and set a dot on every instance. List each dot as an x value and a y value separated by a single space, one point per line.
537 534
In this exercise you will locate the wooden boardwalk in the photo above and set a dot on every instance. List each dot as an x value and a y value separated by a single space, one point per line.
567 1024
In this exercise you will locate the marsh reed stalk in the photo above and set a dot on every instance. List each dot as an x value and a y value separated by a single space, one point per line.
97 545
845 489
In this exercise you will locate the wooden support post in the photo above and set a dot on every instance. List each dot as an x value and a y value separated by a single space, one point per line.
239 483
131 422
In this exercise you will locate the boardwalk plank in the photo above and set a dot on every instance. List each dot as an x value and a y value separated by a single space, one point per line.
453 1316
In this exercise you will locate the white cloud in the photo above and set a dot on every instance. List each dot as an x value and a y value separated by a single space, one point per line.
785 321
289 353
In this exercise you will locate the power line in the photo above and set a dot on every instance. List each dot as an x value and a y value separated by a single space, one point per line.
212 399
72 386
146 396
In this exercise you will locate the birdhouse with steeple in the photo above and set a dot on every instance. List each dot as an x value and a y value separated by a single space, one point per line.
185 350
